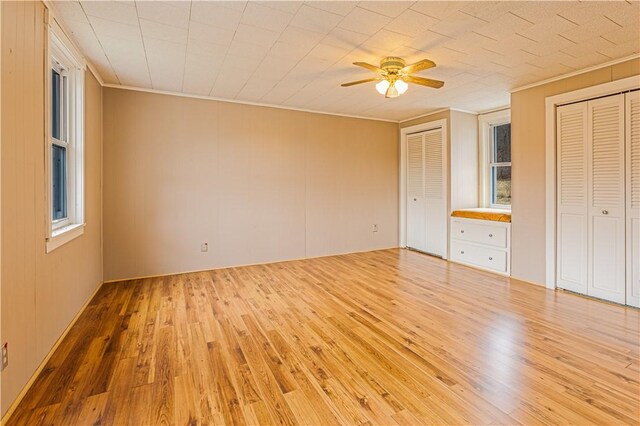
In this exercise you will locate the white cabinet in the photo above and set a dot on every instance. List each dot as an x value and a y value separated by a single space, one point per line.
480 243
596 218
480 231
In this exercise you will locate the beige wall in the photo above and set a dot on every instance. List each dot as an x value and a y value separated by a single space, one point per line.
258 184
464 160
41 293
528 158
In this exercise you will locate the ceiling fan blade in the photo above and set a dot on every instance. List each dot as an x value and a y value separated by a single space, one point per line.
353 83
436 84
392 92
418 66
368 66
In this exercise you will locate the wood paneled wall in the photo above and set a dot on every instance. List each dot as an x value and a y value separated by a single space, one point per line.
41 293
258 184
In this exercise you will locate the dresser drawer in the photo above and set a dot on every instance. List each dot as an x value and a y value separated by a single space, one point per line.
485 257
483 232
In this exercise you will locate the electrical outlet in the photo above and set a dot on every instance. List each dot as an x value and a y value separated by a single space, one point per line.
375 227
5 355
204 247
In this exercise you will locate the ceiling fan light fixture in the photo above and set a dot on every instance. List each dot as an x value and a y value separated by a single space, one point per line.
394 75
401 86
382 86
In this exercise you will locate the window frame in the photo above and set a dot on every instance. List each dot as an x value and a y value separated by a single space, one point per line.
487 123
64 140
63 58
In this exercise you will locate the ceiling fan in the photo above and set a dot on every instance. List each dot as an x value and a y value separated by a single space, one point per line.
394 74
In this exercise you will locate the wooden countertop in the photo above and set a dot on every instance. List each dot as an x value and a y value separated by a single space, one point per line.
496 215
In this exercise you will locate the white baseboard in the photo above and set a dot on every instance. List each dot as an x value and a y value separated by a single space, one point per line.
116 280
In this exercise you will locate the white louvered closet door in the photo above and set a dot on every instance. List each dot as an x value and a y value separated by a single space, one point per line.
416 232
435 191
606 229
572 211
633 197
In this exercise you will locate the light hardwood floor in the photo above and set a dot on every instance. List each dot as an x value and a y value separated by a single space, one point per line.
386 337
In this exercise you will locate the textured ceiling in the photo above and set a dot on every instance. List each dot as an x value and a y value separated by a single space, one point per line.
296 54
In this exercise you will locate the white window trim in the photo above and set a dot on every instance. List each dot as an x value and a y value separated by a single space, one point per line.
63 231
486 122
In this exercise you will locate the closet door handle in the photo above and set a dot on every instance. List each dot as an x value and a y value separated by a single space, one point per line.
490 258
415 199
490 235
462 231
605 211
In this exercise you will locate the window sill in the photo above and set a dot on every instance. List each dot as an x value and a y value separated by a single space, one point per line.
63 235
501 208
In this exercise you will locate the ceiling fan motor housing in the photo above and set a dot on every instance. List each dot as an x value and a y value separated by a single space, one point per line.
392 64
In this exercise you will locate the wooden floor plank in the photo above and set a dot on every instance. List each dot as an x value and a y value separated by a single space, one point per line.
385 337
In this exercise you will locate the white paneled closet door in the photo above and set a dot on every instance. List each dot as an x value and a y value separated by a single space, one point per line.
606 226
426 192
632 133
572 211
416 223
435 192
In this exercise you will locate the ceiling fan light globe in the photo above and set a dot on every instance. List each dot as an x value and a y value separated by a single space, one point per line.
392 92
382 87
401 86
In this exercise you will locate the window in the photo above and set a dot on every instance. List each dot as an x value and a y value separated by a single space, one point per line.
501 164
65 175
495 131
59 183
59 144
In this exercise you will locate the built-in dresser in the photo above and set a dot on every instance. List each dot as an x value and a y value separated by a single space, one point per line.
482 238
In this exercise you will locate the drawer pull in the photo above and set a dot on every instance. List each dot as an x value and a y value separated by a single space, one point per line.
490 258
490 235
462 252
462 231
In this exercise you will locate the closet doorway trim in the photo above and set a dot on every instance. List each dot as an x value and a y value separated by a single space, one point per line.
404 132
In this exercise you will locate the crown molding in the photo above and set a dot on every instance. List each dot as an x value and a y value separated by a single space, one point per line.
466 111
578 72
95 73
492 110
438 111
234 101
